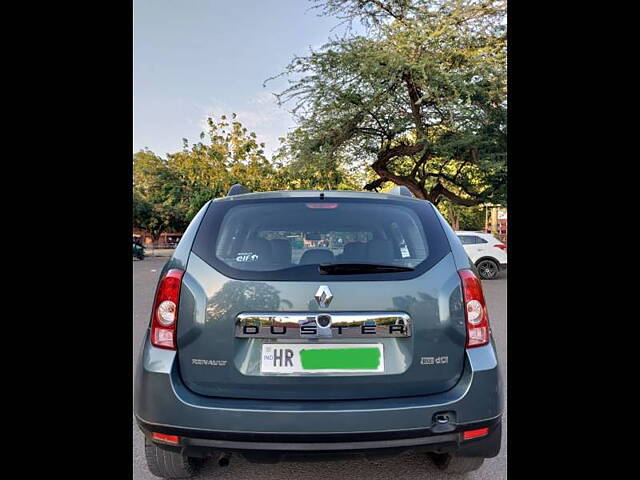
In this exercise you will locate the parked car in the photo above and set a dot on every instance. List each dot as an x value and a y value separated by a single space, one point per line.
261 345
487 253
138 251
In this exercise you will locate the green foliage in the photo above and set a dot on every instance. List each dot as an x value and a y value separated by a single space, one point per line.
471 218
209 168
308 169
463 218
421 98
155 189
167 193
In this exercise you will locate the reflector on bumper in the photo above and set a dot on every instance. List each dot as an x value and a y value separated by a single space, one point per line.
164 438
480 432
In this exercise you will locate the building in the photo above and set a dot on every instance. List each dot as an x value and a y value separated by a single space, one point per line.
499 215
166 240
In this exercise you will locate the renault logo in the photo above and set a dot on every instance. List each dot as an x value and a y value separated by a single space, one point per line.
323 296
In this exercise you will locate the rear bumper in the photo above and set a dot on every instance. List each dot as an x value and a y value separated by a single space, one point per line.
204 442
163 404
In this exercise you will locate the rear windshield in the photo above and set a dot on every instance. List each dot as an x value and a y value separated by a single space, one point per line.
291 238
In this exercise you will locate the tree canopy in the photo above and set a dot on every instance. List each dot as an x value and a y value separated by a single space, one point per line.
421 98
167 193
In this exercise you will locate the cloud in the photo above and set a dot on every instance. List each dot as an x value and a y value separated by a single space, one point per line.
260 114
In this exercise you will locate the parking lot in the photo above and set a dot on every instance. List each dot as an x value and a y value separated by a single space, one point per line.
406 466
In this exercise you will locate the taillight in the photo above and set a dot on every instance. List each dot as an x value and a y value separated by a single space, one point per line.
165 310
501 246
475 310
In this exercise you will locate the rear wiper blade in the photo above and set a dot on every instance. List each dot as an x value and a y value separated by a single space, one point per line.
355 268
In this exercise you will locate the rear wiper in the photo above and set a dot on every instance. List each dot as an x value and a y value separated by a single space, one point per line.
355 268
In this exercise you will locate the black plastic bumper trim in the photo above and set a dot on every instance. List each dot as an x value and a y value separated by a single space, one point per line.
321 446
259 440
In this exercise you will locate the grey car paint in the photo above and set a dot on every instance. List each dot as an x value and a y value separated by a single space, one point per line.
180 256
210 302
162 397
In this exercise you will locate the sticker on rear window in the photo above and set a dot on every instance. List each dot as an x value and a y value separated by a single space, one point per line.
247 257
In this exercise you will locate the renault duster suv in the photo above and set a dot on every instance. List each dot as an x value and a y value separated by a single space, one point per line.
306 322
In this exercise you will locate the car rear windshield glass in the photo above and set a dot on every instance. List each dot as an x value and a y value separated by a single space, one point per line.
273 236
285 239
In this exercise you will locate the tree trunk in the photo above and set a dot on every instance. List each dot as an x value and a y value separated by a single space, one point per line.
453 218
381 167
414 97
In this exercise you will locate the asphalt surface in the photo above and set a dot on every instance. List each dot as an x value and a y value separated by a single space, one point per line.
406 466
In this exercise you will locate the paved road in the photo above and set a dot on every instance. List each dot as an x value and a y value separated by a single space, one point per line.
406 466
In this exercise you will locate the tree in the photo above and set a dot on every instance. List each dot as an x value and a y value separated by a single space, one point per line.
141 210
226 154
421 98
156 218
169 192
156 193
309 170
461 217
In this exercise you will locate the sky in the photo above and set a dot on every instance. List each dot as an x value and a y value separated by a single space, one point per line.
197 58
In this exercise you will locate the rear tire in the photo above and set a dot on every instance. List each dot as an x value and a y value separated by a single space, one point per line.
488 269
452 464
165 462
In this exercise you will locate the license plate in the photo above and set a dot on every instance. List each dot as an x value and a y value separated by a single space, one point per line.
326 358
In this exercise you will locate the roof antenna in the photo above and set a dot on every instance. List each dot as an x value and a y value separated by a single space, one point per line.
321 195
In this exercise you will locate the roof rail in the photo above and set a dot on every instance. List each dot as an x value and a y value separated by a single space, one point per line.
401 190
237 189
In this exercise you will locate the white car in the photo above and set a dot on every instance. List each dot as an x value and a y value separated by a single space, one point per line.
485 251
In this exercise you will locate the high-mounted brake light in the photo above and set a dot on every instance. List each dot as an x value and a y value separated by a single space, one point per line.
165 310
322 205
475 310
501 246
